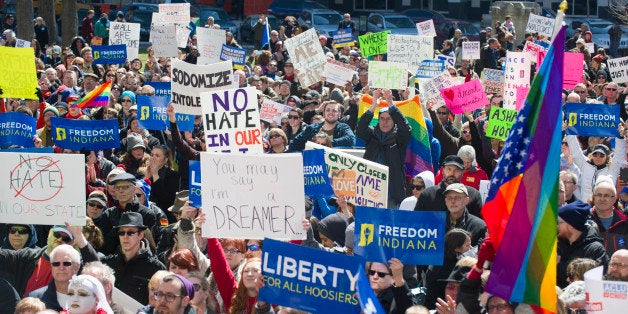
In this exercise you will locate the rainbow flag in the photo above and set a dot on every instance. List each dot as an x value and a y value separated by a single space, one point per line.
99 97
418 156
522 203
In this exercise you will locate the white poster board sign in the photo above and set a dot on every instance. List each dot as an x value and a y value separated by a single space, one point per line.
21 43
410 49
175 12
126 34
190 80
209 43
271 111
253 196
430 89
42 189
426 28
307 56
517 74
163 36
604 296
471 50
618 68
338 73
541 25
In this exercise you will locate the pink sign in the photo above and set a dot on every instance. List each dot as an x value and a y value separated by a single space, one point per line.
466 97
522 93
572 69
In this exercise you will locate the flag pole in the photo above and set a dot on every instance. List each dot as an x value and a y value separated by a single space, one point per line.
560 16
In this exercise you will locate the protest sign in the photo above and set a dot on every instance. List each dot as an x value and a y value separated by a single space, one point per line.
342 38
231 121
500 121
307 56
604 296
410 49
151 111
175 12
19 76
371 178
209 44
128 34
493 81
112 54
426 28
466 97
189 81
485 185
161 88
182 33
343 182
253 196
316 177
449 61
236 55
391 75
430 68
307 279
534 49
540 25
17 128
430 89
162 37
522 94
21 43
471 50
369 303
618 68
271 111
590 47
517 74
338 73
195 183
572 71
374 43
42 189
414 237
85 134
592 119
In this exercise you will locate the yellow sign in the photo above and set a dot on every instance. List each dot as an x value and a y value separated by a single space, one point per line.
366 234
19 76
61 134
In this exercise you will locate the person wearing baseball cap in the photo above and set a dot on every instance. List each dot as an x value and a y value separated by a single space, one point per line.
456 200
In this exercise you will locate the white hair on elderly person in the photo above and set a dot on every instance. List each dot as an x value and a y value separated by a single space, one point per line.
574 295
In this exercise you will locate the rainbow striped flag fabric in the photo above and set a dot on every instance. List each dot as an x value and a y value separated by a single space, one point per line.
99 97
418 156
522 204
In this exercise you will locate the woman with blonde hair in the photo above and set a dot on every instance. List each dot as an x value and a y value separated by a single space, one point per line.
245 296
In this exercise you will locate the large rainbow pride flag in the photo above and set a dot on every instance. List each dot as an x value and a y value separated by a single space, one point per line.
99 97
418 156
522 203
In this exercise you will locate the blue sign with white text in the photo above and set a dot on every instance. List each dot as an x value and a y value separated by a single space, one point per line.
152 114
315 174
342 37
236 55
430 68
161 88
17 128
87 134
592 119
368 300
414 237
195 183
112 54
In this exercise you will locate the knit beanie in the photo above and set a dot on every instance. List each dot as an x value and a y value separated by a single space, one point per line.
189 287
333 227
575 214
128 94
51 109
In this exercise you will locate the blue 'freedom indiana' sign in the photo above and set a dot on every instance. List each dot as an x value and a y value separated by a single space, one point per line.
195 183
17 128
308 279
414 237
85 134
112 54
315 174
152 114
592 119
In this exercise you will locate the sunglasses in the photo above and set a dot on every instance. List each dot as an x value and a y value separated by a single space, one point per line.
253 247
442 113
139 195
274 136
96 205
57 264
418 187
379 273
20 230
291 117
611 89
128 233
64 237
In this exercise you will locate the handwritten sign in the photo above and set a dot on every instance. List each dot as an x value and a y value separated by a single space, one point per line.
500 121
466 97
392 75
315 174
534 50
152 114
111 54
592 119
471 50
21 43
175 12
540 25
163 36
371 177
338 73
344 182
410 49
374 43
125 34
517 74
604 296
493 81
182 33
19 76
426 28
236 55
271 111
231 121
342 38
430 89
209 43
618 68
430 68
253 196
85 134
42 189
307 56
189 81
16 128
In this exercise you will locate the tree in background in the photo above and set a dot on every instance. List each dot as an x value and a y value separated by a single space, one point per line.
69 25
24 17
47 12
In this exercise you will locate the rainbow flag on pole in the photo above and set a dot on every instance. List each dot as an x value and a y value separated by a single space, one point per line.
99 97
522 203
418 155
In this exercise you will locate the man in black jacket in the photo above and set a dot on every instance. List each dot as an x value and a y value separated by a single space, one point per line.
488 56
456 199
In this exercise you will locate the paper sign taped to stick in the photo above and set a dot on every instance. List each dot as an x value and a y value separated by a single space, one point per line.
374 43
471 50
307 56
253 196
391 75
125 34
19 76
189 81
619 69
426 28
42 189
541 25
500 121
466 97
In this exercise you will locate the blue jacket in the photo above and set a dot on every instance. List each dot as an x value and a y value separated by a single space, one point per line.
343 136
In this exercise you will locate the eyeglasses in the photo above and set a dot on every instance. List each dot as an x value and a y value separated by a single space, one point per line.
465 132
454 198
291 117
418 187
578 311
95 205
123 187
611 89
232 251
20 230
57 264
498 307
580 91
442 113
127 100
253 247
64 237
617 265
379 273
197 287
127 233
158 296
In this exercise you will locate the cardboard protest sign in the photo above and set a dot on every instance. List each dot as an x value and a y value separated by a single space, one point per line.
338 73
111 54
17 128
19 76
541 25
209 44
195 183
189 81
343 182
517 74
162 37
271 111
391 75
471 50
604 296
235 54
85 134
426 28
151 111
161 88
592 119
182 33
430 68
42 189
371 178
410 49
414 237
231 121
316 176
175 12
572 71
128 34
307 56
466 97
500 121
618 68
307 279
342 38
374 43
253 196
493 81
430 89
